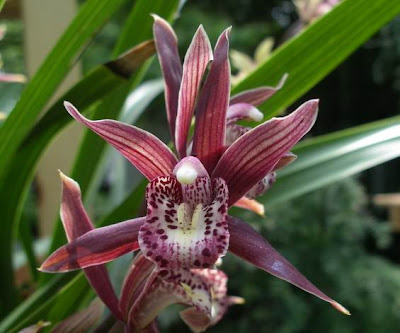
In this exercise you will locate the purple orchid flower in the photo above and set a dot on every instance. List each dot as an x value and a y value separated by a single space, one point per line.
187 228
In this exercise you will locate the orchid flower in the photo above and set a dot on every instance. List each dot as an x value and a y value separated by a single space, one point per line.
187 228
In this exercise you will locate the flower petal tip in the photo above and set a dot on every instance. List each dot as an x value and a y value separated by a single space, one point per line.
341 308
73 111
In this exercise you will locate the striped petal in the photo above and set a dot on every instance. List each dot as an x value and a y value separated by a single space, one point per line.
209 133
95 247
196 60
144 150
179 234
256 153
76 223
134 283
167 50
249 245
257 96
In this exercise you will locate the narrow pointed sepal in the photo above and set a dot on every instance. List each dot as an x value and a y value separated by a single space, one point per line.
167 50
134 283
196 60
145 151
95 247
249 245
210 125
257 96
76 223
255 154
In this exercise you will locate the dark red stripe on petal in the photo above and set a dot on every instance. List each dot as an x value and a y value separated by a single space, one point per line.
76 223
251 157
249 245
257 96
144 150
197 58
95 247
167 50
134 283
209 134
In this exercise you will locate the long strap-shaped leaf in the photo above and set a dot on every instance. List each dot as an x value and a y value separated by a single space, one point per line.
57 64
38 304
338 34
91 16
137 28
332 157
2 2
14 189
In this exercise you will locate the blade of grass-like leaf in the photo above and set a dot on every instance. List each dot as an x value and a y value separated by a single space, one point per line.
92 15
96 85
2 2
57 64
314 53
27 241
38 305
92 148
335 156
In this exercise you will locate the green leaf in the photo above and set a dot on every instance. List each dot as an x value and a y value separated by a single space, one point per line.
37 305
319 49
332 157
2 2
57 64
139 26
92 14
97 84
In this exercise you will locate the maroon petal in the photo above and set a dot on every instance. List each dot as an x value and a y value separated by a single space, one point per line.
134 282
75 220
209 133
181 234
197 58
76 223
95 247
249 245
167 50
144 150
255 153
257 96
